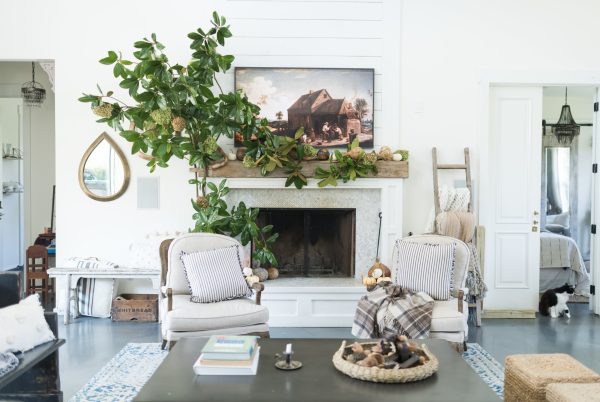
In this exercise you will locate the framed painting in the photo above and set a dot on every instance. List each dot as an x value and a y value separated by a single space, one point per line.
333 105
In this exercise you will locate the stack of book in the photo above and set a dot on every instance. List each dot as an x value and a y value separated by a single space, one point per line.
228 355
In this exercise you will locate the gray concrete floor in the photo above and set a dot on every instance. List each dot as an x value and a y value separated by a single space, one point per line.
92 342
579 336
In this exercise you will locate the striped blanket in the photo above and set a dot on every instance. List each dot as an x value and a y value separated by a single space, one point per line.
89 263
388 310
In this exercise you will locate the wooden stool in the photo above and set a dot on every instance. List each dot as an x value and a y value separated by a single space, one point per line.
526 376
36 267
573 392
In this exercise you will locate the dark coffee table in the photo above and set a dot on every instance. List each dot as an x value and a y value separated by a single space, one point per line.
317 380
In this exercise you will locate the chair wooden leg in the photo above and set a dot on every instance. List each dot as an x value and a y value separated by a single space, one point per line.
164 344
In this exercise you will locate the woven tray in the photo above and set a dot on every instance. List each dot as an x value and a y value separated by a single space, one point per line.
376 374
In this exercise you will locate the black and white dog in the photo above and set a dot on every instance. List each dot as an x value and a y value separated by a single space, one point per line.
554 301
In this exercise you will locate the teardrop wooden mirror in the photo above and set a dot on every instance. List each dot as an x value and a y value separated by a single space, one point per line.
103 170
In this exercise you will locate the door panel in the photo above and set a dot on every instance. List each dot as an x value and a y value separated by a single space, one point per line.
514 175
511 254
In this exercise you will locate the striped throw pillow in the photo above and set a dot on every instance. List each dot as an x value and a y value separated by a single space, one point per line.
215 275
426 268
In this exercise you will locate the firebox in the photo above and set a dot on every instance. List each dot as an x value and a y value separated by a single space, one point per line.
313 242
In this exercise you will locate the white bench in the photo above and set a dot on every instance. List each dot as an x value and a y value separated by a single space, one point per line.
70 276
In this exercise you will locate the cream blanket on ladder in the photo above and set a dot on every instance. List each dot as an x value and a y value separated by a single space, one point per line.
455 221
451 199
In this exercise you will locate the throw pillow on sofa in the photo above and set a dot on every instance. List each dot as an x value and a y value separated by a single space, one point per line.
426 268
215 275
23 326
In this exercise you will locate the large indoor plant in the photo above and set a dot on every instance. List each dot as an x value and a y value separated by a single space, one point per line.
181 111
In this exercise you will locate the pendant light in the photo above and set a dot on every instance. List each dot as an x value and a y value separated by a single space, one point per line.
566 128
32 92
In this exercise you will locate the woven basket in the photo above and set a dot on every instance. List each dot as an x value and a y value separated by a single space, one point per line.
376 374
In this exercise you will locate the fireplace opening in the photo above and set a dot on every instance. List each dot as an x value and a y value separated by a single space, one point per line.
313 242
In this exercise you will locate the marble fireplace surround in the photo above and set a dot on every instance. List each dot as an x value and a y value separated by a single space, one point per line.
326 301
368 196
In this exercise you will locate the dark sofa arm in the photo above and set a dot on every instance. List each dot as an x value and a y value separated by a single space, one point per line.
52 320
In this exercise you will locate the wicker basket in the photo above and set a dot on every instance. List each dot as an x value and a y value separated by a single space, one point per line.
376 374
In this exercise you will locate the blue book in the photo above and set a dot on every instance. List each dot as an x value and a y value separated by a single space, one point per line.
229 347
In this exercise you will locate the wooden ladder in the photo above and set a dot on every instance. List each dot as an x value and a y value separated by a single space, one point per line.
436 188
480 232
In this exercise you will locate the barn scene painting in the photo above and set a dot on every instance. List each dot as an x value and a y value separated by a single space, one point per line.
334 106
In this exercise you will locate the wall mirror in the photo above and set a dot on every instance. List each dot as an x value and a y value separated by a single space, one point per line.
558 172
103 170
559 189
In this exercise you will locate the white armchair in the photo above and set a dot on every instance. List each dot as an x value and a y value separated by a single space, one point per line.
183 318
450 317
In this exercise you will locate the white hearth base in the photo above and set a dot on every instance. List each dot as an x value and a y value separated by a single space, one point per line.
312 302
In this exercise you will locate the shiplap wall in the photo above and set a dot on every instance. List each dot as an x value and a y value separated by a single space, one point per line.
324 33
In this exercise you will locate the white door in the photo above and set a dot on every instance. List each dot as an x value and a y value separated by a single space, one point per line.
595 246
511 181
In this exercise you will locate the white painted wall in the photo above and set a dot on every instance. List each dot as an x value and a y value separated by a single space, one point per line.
429 56
38 145
449 46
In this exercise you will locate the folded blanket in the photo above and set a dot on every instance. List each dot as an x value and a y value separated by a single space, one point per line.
89 263
388 310
451 199
461 225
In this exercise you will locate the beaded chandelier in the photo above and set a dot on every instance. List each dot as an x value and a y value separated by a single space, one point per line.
32 92
565 128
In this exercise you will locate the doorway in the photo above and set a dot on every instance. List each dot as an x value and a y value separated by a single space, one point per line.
566 183
12 213
27 140
513 204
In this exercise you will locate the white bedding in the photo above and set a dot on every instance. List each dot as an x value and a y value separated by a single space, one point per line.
561 262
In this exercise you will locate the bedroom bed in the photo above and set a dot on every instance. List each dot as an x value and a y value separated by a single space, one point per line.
561 262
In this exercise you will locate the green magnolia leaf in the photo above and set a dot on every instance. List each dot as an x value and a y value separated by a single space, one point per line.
142 44
128 83
119 70
299 133
110 59
136 147
89 98
212 186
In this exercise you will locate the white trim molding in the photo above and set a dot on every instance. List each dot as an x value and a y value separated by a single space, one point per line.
48 67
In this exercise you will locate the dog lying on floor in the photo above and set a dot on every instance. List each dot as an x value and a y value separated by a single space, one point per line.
554 301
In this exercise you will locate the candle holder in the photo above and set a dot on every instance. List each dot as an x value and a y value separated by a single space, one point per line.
285 361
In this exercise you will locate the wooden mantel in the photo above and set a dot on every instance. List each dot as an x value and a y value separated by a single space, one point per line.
386 170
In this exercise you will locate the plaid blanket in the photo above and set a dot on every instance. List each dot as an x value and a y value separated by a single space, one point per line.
389 310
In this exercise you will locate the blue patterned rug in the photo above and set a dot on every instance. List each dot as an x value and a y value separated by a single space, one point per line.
125 374
488 368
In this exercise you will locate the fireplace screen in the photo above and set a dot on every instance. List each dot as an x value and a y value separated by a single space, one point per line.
313 242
